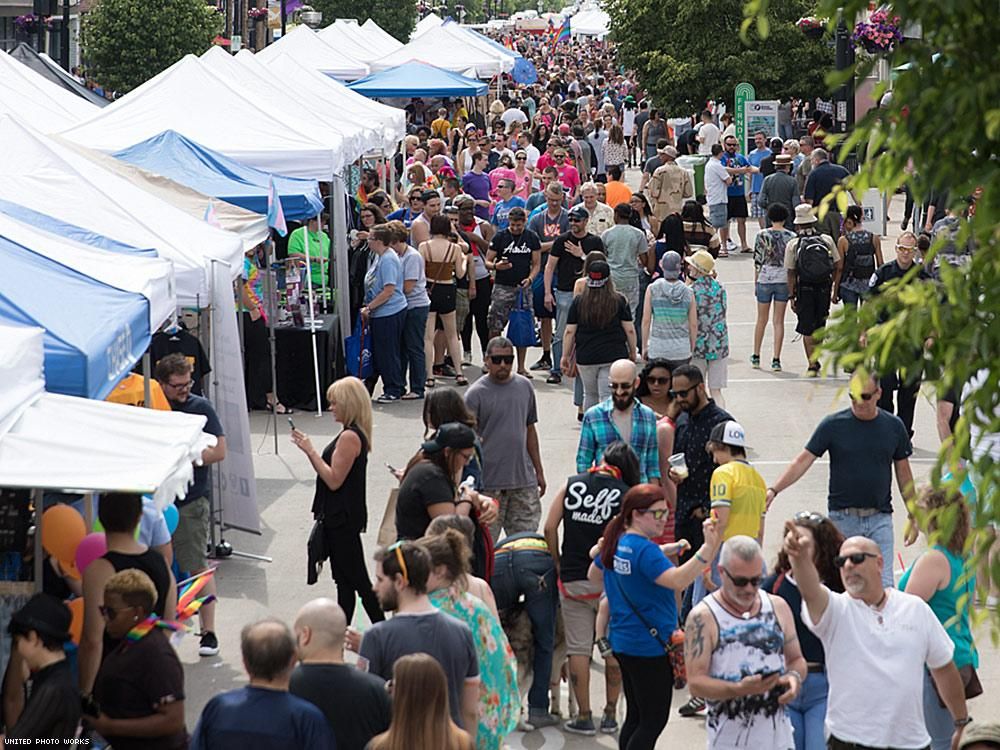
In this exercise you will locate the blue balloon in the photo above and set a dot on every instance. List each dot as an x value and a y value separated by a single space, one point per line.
172 517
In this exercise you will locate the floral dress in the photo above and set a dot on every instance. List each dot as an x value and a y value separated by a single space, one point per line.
713 334
499 699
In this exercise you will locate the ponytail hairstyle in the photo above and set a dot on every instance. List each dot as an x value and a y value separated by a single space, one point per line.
640 497
451 550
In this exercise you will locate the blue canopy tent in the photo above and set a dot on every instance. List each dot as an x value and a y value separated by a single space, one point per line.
417 79
182 160
94 333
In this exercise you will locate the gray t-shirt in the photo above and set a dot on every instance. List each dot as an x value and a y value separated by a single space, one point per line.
413 269
623 244
444 637
503 412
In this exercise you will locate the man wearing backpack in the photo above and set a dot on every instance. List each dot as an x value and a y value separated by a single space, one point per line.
814 265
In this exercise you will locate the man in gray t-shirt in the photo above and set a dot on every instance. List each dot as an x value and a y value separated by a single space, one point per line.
625 246
504 405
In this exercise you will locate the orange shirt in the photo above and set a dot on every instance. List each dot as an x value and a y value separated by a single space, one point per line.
618 192
130 391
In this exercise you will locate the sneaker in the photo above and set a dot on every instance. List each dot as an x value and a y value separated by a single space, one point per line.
609 725
545 363
209 645
813 371
692 708
755 361
581 726
466 358
385 398
539 718
444 371
554 379
731 245
775 365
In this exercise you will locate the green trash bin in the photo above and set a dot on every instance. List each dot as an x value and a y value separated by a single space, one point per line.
695 163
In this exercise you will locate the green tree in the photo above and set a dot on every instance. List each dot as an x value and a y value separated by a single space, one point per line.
397 17
944 121
686 52
126 42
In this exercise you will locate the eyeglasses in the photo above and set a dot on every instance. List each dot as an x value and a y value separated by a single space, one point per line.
741 581
863 396
807 516
856 558
657 381
620 386
403 571
502 359
658 514
180 386
680 393
111 612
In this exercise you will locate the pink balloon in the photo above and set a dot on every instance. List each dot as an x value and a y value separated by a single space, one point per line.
93 546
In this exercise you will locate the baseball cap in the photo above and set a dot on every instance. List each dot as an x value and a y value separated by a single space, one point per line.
451 435
598 274
729 433
44 614
579 212
670 265
980 731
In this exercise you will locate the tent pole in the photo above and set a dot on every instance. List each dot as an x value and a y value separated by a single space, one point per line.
272 308
88 510
216 482
146 386
312 320
36 501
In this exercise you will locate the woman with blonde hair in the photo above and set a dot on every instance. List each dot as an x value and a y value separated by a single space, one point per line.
340 502
447 584
420 717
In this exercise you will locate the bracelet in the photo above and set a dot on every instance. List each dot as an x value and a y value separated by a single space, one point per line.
774 491
797 674
963 722
699 558
459 502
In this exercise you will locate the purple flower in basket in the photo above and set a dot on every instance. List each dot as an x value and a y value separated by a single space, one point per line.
880 34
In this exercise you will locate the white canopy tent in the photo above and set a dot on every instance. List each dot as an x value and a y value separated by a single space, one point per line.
590 22
379 39
428 22
53 442
188 98
251 227
351 40
507 57
153 278
41 103
305 109
444 48
306 46
44 176
391 120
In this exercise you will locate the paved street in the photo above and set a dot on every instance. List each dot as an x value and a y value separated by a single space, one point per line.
778 412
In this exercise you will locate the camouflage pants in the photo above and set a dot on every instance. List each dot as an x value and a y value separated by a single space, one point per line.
520 510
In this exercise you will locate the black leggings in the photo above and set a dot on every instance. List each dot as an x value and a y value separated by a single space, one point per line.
649 687
478 309
347 566
256 361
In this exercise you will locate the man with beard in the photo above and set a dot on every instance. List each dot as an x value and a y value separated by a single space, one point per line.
743 655
620 417
401 572
878 641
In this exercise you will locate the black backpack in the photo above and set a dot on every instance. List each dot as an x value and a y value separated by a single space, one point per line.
859 262
813 261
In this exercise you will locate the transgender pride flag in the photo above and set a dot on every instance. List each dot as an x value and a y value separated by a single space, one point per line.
275 214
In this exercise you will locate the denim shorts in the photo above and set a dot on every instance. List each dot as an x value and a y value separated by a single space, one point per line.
767 293
718 215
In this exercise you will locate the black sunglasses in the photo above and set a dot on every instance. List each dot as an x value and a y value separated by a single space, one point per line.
863 396
657 381
620 386
681 393
856 558
741 581
502 359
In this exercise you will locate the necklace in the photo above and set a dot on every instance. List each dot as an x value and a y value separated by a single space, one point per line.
878 606
726 605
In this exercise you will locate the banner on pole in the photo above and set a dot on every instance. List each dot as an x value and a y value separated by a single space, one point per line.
744 93
759 115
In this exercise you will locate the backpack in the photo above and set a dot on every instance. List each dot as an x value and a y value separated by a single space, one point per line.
860 260
813 261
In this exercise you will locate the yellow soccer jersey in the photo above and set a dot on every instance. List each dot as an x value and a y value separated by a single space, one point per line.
740 488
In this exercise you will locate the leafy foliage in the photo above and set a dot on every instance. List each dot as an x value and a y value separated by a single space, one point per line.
126 42
397 17
944 120
688 51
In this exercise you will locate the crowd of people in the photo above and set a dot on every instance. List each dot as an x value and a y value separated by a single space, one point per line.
518 226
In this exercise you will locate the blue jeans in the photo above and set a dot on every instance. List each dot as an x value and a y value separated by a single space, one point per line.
413 348
878 528
387 343
563 301
808 712
531 575
937 718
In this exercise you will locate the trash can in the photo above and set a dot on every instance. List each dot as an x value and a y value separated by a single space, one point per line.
695 164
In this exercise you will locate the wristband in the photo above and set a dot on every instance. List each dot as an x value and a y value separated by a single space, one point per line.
797 674
459 502
699 558
774 491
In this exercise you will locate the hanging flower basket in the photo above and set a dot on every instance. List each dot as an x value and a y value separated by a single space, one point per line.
812 27
880 35
257 14
28 23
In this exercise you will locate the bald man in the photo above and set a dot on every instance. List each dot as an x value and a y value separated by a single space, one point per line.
877 642
620 416
355 703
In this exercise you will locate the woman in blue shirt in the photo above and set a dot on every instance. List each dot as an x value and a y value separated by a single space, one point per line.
643 615
385 312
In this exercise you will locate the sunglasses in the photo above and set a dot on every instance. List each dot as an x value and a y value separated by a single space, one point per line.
620 386
681 393
741 581
905 249
658 515
502 359
403 571
575 220
110 612
522 158
808 516
863 396
657 381
856 559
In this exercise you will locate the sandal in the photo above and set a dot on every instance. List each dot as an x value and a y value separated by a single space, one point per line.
429 383
279 408
411 396
461 380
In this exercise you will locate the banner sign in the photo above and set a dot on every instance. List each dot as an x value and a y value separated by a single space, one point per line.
744 93
759 115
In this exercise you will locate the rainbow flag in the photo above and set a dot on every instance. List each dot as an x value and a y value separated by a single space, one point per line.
561 34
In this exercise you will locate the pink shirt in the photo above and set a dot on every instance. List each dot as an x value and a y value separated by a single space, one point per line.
569 177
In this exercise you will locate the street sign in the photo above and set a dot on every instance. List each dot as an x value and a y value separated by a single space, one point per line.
744 93
759 115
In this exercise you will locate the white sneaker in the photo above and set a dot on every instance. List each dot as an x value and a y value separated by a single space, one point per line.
466 358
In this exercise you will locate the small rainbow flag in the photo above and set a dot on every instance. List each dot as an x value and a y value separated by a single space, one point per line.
561 34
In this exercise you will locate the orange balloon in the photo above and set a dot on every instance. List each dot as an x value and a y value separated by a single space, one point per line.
76 624
62 531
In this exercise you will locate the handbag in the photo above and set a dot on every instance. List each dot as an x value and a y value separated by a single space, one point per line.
387 529
358 350
521 323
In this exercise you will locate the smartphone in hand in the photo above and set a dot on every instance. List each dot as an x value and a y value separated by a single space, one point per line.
291 423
